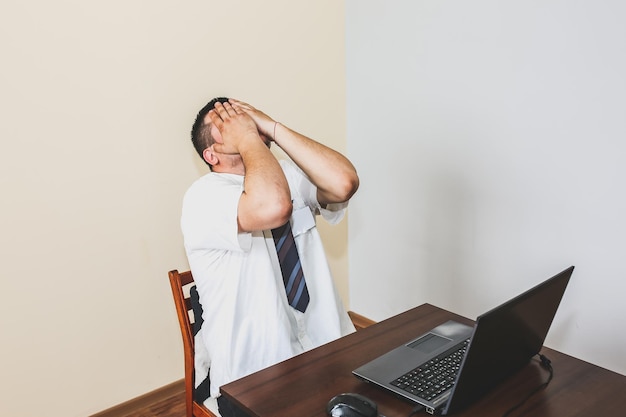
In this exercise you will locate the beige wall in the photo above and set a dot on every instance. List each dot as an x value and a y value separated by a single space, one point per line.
97 99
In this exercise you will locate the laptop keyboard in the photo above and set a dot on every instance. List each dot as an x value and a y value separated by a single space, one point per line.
434 377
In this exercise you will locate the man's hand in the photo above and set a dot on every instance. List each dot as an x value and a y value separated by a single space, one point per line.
265 202
264 123
332 173
235 126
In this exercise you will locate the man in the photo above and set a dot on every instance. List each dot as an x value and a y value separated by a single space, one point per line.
228 215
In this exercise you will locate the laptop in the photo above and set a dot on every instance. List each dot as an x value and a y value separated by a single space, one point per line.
475 359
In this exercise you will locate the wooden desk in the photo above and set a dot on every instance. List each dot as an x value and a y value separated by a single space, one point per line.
303 385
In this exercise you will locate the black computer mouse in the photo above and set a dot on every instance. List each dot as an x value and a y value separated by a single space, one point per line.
351 405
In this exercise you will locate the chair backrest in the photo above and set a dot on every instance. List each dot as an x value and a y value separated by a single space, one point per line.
360 322
181 284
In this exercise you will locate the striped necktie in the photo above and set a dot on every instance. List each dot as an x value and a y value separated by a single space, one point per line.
293 277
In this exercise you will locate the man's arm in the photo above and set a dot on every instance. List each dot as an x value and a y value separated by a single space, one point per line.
332 173
266 201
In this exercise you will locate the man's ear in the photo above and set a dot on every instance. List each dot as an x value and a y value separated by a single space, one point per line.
209 156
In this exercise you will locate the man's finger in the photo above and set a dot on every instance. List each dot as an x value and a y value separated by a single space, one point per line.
223 149
241 105
226 108
221 109
215 118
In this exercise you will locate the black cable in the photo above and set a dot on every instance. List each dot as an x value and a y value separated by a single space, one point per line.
545 362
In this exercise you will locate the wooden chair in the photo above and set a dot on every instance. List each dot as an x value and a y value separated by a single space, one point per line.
359 321
181 283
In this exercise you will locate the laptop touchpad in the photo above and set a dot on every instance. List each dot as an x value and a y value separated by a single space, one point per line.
428 343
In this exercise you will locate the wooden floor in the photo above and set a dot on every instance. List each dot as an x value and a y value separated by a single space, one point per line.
173 406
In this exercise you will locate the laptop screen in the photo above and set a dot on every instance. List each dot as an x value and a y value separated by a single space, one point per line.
506 338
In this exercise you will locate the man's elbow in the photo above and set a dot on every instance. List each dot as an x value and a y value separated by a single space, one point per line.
343 189
275 212
351 185
282 213
265 214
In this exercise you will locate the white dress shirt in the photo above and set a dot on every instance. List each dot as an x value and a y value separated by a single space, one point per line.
248 323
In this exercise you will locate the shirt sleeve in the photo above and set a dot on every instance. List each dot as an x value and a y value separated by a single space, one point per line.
304 192
209 215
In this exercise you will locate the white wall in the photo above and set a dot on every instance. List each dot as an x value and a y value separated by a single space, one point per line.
96 102
490 138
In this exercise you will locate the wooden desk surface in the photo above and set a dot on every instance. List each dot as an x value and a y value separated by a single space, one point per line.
303 385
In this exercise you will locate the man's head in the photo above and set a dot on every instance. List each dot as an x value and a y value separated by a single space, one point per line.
201 131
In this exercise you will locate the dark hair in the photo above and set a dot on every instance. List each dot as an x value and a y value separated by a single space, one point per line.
200 131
